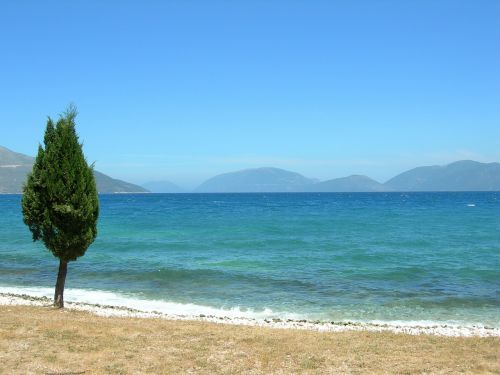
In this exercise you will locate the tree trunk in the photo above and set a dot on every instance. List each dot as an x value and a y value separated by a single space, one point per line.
61 279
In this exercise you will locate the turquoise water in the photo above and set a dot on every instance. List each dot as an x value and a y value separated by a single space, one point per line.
412 257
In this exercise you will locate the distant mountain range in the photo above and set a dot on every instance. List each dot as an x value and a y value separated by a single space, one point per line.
14 168
465 175
280 180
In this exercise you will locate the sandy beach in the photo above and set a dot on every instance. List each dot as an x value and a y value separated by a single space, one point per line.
113 310
91 339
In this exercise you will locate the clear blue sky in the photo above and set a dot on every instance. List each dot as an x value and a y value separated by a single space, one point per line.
183 90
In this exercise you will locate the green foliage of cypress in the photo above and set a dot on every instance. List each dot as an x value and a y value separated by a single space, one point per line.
60 203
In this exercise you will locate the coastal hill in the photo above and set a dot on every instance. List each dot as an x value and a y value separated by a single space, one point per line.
14 168
256 180
354 183
162 187
109 185
465 175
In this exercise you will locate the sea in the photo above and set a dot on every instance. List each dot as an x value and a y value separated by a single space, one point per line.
390 258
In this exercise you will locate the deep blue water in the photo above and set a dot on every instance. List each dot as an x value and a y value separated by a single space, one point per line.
363 257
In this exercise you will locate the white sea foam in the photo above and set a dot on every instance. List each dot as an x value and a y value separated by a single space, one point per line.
471 205
100 297
113 304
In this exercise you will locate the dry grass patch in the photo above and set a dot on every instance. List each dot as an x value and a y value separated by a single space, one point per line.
36 340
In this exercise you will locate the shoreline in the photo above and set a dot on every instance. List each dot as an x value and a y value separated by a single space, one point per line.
444 330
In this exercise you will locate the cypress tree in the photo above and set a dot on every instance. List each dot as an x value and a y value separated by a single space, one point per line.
60 203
